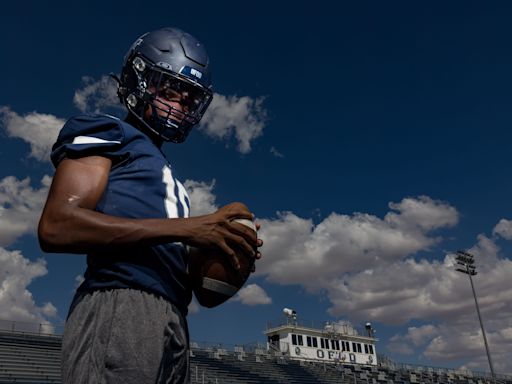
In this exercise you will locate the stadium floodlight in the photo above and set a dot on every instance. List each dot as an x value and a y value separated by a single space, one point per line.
467 261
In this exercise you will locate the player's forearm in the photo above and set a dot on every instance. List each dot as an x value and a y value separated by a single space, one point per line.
80 230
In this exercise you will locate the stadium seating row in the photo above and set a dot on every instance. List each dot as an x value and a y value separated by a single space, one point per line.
35 359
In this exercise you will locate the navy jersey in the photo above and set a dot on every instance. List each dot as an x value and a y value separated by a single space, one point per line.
141 184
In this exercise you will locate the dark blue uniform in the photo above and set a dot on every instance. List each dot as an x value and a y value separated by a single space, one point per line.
141 185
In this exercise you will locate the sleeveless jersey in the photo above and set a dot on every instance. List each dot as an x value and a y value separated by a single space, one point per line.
141 185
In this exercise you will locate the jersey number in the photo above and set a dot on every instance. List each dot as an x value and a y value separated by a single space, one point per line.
177 200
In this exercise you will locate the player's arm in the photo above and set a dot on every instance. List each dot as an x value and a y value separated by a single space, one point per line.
69 222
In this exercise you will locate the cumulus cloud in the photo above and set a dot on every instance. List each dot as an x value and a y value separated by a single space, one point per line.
400 347
503 229
16 301
38 129
415 336
444 296
297 251
244 117
193 307
370 271
79 279
458 340
97 95
252 294
275 152
422 214
202 199
400 291
420 335
20 207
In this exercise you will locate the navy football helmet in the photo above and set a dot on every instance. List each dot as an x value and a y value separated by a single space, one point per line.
161 70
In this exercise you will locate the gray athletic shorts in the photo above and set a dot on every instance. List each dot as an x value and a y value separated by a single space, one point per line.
124 336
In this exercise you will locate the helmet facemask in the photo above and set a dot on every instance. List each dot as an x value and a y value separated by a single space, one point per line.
169 104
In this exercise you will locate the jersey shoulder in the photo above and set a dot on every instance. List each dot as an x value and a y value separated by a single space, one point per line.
91 134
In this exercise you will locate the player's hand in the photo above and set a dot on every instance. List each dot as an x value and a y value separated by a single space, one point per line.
217 230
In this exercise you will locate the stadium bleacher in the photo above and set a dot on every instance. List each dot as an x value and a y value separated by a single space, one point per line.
31 358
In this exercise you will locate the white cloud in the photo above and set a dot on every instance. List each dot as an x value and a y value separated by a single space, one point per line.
457 340
275 152
403 290
16 301
38 129
400 347
415 336
397 292
252 294
419 335
422 213
202 199
193 307
368 271
96 96
296 251
242 116
20 207
79 279
432 291
504 229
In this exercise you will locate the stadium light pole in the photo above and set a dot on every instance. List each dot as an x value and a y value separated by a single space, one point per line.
466 263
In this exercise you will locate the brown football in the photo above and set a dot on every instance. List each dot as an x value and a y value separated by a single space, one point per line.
212 275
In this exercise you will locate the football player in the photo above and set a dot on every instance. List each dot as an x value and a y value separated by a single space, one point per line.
115 197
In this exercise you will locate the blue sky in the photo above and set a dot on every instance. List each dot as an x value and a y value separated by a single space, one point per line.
371 140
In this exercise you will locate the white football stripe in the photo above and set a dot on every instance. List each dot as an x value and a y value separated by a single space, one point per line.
247 223
92 140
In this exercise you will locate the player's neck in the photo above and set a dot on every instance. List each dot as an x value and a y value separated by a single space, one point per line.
132 120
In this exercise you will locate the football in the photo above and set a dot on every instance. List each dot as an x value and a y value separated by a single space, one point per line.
212 275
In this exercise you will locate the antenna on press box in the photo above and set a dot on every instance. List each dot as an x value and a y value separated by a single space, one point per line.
370 330
291 315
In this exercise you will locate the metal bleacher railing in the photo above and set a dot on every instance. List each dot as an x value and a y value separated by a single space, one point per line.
44 328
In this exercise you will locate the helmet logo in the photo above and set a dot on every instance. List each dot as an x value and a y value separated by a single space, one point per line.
196 73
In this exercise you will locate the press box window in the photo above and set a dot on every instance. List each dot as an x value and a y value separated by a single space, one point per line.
315 343
299 338
370 347
365 348
294 339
